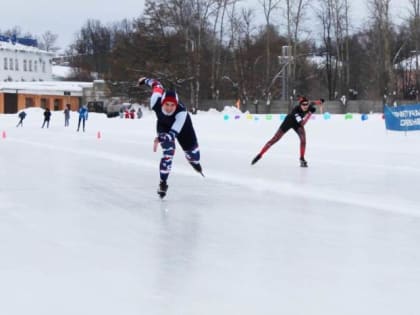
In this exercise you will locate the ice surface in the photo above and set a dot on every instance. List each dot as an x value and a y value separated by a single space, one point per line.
82 230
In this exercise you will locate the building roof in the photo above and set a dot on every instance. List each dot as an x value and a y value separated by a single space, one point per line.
45 87
24 48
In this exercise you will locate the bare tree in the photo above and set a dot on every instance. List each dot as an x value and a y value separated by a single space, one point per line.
295 13
14 31
415 30
48 41
379 11
269 6
189 19
333 15
217 44
91 51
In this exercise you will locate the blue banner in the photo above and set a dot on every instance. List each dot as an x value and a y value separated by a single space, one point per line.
402 118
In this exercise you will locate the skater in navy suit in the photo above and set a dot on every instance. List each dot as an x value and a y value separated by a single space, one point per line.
173 122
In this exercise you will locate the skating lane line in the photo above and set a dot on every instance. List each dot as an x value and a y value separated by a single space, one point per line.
379 202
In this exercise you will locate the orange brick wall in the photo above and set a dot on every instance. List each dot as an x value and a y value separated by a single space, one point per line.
1 103
72 100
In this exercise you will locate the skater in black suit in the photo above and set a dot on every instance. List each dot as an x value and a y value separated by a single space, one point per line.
296 120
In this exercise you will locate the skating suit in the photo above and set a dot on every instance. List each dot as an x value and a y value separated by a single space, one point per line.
293 120
179 121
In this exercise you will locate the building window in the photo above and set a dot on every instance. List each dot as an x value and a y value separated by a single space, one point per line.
36 66
30 65
43 66
57 104
11 64
24 65
44 102
5 64
29 102
16 65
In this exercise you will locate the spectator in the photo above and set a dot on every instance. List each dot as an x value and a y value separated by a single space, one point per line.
256 103
343 100
67 115
83 116
47 117
139 113
268 103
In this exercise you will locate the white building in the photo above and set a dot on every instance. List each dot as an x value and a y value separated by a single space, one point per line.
20 62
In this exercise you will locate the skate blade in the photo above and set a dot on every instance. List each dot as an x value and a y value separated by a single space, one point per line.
256 159
161 194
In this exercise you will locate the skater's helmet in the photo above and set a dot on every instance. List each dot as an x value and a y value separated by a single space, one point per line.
169 102
303 101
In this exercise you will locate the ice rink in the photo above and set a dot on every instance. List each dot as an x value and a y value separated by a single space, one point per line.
82 230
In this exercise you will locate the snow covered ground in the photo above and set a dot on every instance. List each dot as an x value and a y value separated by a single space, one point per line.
82 230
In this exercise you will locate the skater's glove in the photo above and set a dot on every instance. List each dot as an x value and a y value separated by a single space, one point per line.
142 81
312 108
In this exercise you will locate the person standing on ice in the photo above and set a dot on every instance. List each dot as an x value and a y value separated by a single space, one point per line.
296 120
173 122
83 116
67 115
47 117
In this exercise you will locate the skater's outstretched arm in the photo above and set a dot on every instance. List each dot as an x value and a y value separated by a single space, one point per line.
157 89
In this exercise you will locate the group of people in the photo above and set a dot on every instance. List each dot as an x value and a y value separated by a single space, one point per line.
83 116
174 122
129 114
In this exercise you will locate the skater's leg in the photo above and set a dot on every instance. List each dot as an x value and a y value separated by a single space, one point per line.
302 137
168 151
277 136
193 156
78 124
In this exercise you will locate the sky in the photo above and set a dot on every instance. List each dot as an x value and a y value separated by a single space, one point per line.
67 18
82 230
63 17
